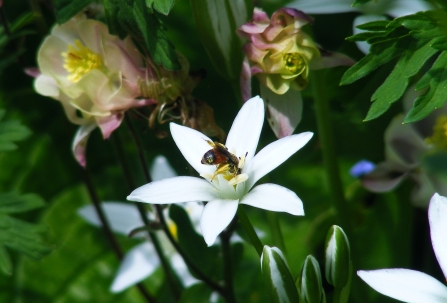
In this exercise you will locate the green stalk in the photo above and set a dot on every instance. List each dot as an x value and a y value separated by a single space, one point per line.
275 228
249 230
108 230
323 117
227 270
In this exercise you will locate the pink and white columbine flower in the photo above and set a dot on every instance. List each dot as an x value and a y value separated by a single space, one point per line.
93 74
413 286
224 196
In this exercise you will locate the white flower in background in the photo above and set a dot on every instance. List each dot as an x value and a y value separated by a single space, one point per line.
142 260
371 11
413 286
223 196
406 145
93 74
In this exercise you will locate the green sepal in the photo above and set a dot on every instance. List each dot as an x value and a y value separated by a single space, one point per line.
309 283
66 9
277 277
337 257
216 23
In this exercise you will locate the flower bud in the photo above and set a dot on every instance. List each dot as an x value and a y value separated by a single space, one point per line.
309 283
337 257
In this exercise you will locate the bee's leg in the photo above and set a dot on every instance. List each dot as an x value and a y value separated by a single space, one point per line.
221 169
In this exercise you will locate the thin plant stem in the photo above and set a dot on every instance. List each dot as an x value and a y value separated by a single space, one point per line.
171 278
227 268
275 228
257 244
213 285
325 129
108 231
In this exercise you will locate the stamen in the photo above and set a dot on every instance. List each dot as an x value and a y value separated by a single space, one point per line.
80 60
439 137
238 179
294 62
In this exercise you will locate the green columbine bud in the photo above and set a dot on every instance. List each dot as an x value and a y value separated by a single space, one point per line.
277 276
337 257
309 283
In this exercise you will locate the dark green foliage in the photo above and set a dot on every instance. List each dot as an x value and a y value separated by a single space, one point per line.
11 131
66 9
134 17
413 40
360 2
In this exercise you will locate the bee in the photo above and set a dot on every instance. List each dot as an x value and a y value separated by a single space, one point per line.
219 155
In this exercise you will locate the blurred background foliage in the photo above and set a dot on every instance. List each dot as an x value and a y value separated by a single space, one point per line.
388 231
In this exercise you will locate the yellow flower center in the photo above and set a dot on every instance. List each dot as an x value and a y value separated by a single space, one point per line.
294 62
80 60
439 137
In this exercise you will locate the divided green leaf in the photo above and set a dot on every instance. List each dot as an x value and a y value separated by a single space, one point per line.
10 132
17 234
413 40
163 6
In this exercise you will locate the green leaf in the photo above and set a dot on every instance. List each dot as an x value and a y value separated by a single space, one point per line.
161 49
216 23
194 245
11 131
14 203
5 261
66 9
162 6
436 82
277 277
360 2
397 82
197 293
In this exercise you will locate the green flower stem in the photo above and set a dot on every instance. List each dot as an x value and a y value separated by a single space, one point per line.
171 278
162 219
227 270
275 228
249 230
108 231
327 144
336 295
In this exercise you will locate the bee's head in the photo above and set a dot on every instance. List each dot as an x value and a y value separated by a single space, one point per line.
208 158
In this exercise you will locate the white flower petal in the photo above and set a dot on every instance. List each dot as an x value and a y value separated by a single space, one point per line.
274 198
46 86
123 218
182 271
139 263
193 146
216 216
405 285
399 8
275 154
362 19
174 190
246 129
161 169
437 216
323 6
79 144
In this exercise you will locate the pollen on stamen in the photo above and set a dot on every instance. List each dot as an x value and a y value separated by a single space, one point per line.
439 137
80 60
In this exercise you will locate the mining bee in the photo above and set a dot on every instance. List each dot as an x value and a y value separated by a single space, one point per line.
226 162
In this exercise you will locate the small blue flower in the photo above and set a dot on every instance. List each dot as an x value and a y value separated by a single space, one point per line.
362 168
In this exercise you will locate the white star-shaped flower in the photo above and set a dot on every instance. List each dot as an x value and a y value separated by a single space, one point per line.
413 286
222 196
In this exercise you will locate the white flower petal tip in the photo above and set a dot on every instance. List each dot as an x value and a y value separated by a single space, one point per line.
405 285
174 190
216 216
437 216
274 198
161 169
